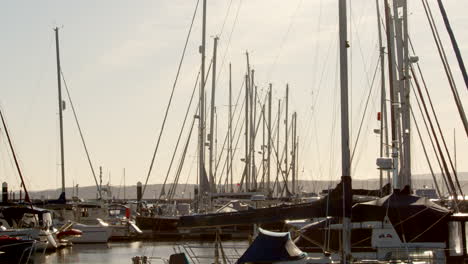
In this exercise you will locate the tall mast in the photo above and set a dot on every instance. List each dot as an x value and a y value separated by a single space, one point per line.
345 152
212 113
248 127
230 129
201 120
262 117
293 153
60 104
403 89
253 99
406 95
125 193
383 100
247 167
393 96
269 142
278 159
286 167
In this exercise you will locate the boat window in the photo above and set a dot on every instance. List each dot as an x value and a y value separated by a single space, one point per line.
84 212
115 212
455 239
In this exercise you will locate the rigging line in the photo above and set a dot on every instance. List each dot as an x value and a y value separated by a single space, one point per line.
182 161
430 227
235 127
188 176
283 40
26 198
461 64
235 135
436 153
225 18
317 42
365 110
228 43
425 153
180 135
322 75
170 98
438 125
435 137
446 65
81 134
258 124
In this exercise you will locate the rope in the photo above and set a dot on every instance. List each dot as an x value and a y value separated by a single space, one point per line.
26 198
365 111
435 137
445 63
170 98
180 136
81 135
425 153
437 120
461 64
182 160
444 177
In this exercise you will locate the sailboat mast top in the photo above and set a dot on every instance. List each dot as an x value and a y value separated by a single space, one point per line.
60 104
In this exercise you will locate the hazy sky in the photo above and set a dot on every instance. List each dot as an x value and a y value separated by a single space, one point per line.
119 59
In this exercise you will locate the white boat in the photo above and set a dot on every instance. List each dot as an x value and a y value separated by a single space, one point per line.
30 223
98 233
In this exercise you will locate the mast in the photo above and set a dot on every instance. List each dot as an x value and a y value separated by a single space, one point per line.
60 104
253 102
125 193
262 117
286 167
406 95
393 96
201 117
402 83
293 153
345 150
278 165
269 142
383 100
230 129
247 168
212 113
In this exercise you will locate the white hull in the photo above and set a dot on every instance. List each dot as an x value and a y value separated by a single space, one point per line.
92 234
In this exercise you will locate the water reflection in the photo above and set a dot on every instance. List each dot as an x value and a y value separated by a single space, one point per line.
122 252
105 253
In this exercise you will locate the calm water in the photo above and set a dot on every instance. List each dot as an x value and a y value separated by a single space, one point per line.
122 252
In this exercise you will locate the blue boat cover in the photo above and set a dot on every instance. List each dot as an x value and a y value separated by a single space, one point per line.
271 247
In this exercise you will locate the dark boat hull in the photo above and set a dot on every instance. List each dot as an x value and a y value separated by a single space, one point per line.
15 250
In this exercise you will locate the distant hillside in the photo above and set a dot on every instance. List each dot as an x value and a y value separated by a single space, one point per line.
186 191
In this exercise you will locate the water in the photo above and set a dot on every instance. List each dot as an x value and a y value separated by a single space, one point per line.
122 252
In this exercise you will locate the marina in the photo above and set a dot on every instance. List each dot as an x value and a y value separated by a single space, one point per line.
239 158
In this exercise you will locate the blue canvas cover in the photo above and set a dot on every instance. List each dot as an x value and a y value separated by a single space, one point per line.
271 247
